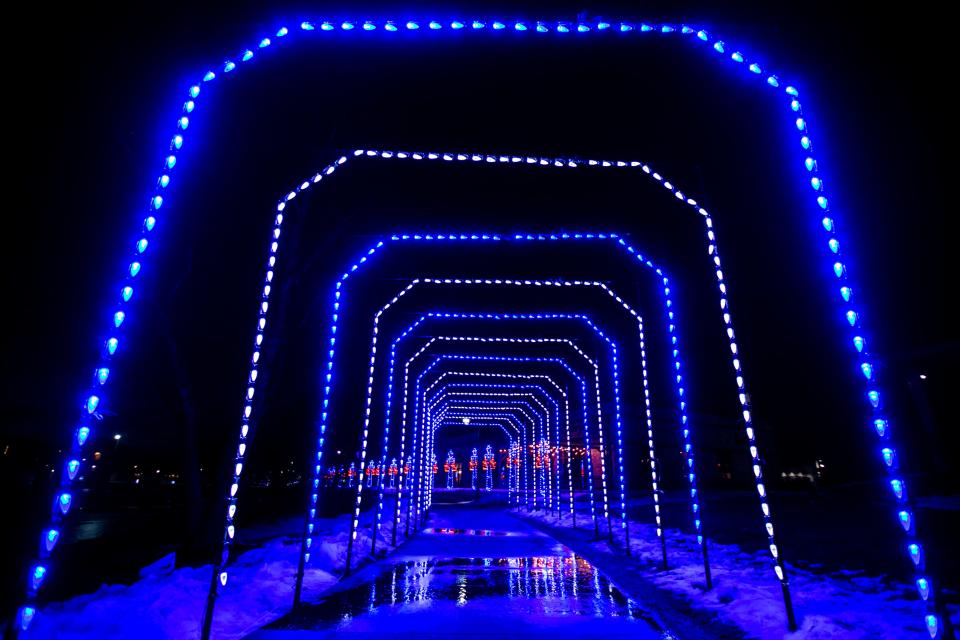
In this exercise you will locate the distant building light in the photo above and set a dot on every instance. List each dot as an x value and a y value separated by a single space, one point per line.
923 376
117 436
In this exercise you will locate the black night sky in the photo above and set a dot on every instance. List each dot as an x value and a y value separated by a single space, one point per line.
93 94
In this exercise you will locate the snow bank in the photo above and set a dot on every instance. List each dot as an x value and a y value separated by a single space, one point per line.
168 602
746 593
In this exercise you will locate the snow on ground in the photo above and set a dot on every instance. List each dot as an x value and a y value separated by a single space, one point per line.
168 602
747 594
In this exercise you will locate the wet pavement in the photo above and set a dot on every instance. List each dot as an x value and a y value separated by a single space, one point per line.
475 571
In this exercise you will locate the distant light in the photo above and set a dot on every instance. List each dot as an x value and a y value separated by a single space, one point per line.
117 436
923 376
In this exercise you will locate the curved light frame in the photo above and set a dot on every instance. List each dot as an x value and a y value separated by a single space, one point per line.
474 374
563 30
459 358
655 481
417 402
685 431
526 378
511 441
501 409
504 390
368 403
556 316
442 398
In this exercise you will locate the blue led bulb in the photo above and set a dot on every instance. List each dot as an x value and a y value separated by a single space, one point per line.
50 537
37 576
898 488
880 426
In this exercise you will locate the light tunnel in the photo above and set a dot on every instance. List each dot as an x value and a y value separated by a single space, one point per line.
523 397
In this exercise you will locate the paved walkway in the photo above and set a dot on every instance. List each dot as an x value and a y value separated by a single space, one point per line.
474 571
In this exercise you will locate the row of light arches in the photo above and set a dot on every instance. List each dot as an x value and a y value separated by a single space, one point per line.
102 373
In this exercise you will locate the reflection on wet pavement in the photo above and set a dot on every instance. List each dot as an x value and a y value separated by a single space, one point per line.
467 532
481 596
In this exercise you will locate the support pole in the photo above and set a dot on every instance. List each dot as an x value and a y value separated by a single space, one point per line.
663 548
396 510
706 567
788 604
626 534
301 564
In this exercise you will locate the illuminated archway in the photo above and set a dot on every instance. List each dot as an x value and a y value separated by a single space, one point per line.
864 363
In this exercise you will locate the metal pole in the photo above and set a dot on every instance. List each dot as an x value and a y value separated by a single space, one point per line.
207 624
376 511
663 547
354 521
706 567
787 601
596 519
301 565
626 534
396 497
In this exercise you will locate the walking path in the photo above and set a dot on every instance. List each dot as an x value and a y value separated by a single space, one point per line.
475 570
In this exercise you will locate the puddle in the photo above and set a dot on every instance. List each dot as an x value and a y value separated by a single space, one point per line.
468 532
494 597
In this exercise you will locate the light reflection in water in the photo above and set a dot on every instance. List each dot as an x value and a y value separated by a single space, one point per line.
528 586
467 532
462 590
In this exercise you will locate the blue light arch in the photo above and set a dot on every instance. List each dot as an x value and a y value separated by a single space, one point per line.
547 317
573 31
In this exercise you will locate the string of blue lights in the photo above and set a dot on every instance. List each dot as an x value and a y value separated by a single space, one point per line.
501 391
446 359
487 376
880 421
418 398
615 376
